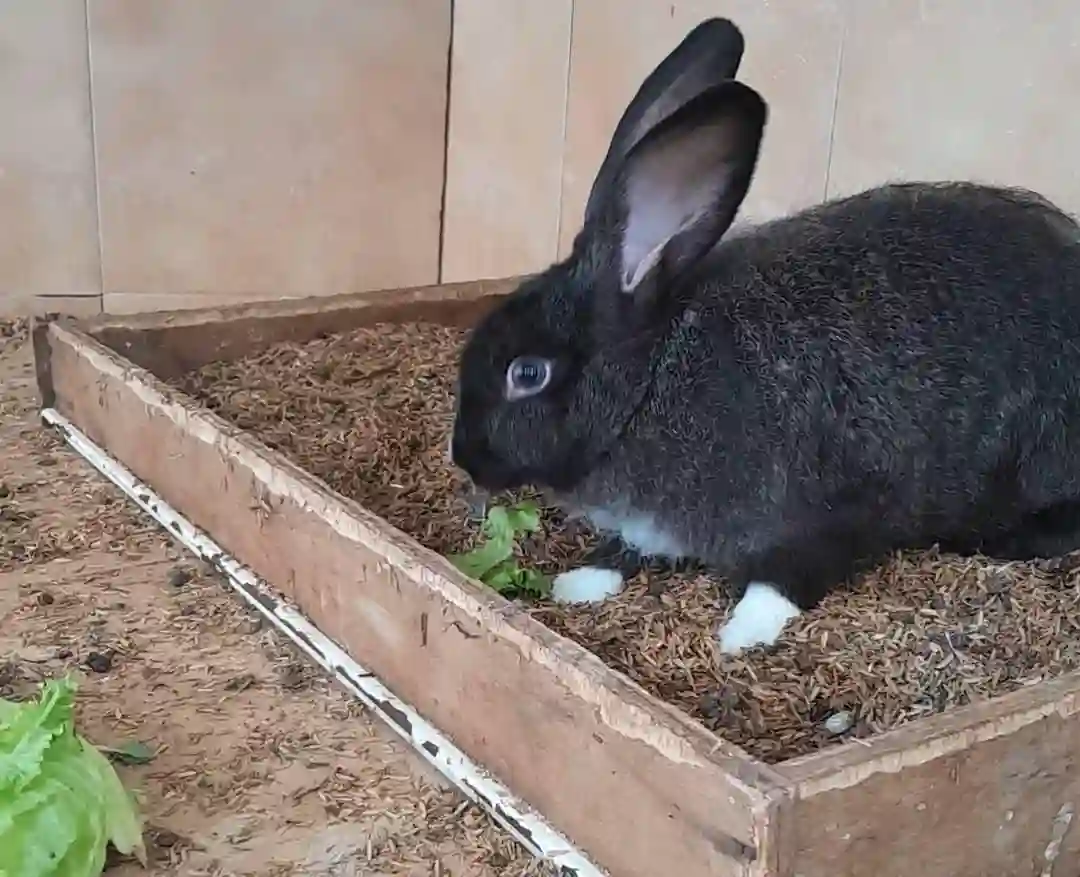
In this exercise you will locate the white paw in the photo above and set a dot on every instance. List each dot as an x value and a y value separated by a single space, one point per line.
587 584
758 619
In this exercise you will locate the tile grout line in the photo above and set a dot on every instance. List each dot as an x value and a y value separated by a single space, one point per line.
446 144
94 155
565 125
836 104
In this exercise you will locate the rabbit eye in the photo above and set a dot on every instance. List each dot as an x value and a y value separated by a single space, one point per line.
527 376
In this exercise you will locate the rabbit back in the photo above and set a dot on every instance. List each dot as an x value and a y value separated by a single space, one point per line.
892 369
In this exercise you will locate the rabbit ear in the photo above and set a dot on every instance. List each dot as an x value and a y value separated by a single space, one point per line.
680 187
709 55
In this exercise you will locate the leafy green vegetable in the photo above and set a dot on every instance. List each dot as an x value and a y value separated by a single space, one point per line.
493 561
61 802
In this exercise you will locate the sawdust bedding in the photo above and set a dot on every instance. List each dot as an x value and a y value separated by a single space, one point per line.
368 412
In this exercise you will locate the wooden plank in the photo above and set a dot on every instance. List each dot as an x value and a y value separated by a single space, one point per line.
641 788
977 791
505 141
174 342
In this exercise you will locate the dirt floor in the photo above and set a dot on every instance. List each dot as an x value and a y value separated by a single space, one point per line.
261 767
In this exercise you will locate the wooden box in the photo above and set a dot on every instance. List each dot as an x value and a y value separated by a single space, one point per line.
642 789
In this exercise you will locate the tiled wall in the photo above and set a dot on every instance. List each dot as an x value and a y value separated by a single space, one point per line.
48 202
860 92
169 153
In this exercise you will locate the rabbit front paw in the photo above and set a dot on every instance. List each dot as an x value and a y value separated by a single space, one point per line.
757 620
586 584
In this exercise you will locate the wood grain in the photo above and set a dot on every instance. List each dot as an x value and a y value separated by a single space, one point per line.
975 792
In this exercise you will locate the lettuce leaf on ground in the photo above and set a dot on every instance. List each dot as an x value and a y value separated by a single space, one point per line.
61 802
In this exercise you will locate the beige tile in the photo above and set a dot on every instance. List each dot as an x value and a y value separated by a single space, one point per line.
48 211
70 305
791 57
940 90
504 162
269 147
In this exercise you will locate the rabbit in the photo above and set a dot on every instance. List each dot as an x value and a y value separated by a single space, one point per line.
894 369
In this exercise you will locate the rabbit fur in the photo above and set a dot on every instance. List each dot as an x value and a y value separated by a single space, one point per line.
894 369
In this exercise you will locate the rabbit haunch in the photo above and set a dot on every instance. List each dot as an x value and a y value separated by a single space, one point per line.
890 370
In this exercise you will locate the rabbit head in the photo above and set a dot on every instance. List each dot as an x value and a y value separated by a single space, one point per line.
554 375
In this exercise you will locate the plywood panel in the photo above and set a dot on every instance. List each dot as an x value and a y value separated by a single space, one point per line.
945 90
505 144
792 57
269 147
48 209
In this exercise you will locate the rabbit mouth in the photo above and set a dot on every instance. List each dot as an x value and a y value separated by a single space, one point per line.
486 474
474 500
494 478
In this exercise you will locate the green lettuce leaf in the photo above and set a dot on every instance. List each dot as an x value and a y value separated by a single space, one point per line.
492 561
61 801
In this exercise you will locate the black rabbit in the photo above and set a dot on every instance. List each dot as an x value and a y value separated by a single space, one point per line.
895 369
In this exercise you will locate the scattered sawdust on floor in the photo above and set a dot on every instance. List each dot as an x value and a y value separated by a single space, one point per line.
369 413
261 766
14 333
